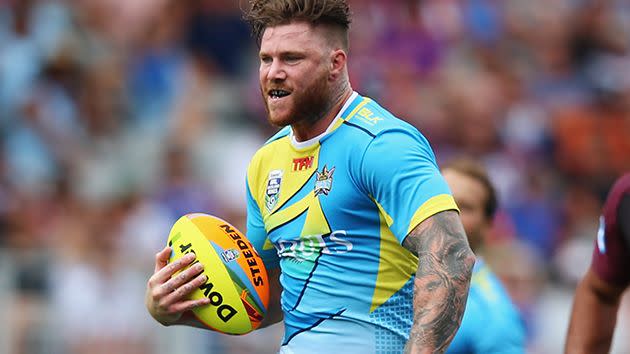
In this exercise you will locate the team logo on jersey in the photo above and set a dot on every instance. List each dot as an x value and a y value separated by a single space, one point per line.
229 255
323 181
273 189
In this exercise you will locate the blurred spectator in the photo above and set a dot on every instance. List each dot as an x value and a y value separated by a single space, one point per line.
179 192
98 277
217 36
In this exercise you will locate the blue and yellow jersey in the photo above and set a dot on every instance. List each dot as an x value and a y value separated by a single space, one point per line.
332 212
491 322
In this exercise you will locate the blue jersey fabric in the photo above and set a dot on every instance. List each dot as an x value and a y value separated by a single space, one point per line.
332 212
491 323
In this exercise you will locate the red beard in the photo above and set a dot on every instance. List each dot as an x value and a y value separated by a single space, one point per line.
307 106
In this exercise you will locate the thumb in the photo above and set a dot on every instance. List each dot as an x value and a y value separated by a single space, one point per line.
161 258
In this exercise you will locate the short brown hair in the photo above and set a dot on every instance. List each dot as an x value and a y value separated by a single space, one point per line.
270 13
473 169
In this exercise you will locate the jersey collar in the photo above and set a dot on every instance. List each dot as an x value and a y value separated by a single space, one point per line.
333 125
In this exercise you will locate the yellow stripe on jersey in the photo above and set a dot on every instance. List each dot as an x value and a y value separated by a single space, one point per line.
365 101
395 268
268 245
280 155
397 264
337 124
289 213
432 206
388 219
316 223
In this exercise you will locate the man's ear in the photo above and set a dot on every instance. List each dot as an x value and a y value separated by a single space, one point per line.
338 59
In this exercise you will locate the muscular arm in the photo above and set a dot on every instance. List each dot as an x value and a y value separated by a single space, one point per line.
445 263
593 316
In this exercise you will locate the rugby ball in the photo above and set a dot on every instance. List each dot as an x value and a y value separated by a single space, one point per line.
237 284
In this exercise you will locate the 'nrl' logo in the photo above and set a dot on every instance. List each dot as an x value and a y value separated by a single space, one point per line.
323 181
273 189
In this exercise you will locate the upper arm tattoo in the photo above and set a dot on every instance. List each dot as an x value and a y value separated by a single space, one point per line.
445 263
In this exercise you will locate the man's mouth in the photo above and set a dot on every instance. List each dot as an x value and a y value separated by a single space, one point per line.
276 94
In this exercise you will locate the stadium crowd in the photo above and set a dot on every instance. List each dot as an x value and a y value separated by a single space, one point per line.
117 117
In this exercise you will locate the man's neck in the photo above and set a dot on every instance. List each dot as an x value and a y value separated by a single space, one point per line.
305 131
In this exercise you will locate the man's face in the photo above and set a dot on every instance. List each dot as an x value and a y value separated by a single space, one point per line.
294 73
470 195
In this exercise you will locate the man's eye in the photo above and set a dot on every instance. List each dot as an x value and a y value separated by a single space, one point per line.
266 60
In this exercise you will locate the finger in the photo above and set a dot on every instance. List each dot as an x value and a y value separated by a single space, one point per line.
183 291
167 272
188 305
178 280
161 258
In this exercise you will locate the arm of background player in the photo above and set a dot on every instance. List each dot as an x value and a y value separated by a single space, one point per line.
593 316
445 263
274 310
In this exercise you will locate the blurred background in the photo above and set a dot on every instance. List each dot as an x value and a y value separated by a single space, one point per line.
118 116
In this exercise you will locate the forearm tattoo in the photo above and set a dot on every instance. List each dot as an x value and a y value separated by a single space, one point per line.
442 280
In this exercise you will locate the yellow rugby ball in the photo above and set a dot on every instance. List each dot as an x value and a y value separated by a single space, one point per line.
237 284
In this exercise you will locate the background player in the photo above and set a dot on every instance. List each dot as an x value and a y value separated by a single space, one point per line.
338 226
597 297
491 322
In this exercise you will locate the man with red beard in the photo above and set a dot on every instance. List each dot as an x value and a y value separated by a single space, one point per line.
358 230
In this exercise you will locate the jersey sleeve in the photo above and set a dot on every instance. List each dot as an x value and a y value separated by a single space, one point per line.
611 256
257 234
400 173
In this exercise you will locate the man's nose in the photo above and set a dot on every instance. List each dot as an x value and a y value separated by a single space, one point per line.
276 71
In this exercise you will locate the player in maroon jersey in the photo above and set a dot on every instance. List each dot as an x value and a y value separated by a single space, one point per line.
597 296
